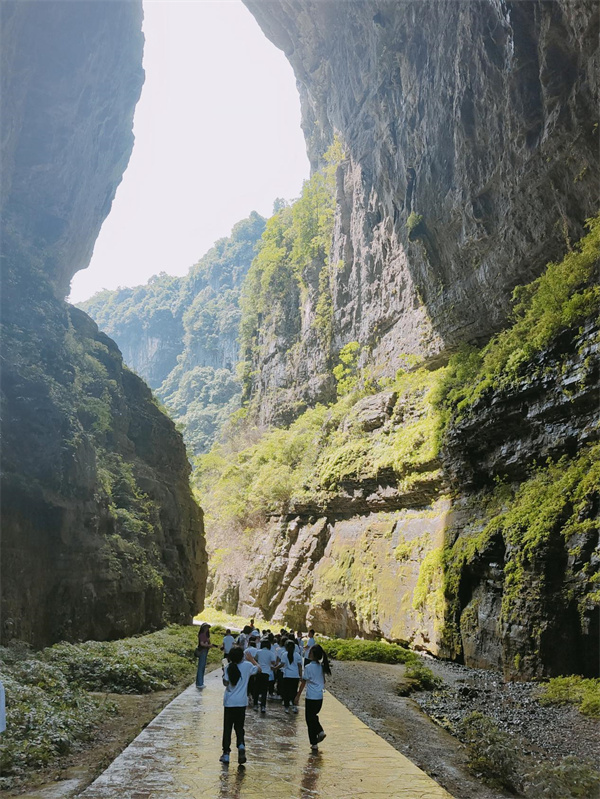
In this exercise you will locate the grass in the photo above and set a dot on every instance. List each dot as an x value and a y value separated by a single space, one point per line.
374 651
575 690
52 702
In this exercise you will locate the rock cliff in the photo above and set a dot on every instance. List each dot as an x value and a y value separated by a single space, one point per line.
471 141
100 534
462 523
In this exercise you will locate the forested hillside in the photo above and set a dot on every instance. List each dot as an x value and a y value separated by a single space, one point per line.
181 333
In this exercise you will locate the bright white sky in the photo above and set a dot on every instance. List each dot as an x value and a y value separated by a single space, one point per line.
217 135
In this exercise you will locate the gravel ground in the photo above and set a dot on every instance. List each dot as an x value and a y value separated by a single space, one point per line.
551 732
368 689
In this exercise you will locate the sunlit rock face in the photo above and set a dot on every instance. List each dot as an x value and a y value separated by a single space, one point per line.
471 132
100 534
480 118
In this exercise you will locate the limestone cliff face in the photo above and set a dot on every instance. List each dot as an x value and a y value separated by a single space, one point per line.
100 534
471 136
434 565
477 118
71 75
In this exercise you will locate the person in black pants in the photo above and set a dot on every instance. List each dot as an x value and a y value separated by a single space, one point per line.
235 679
292 672
267 660
314 679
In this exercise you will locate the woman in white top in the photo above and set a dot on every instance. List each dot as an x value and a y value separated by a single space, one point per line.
235 680
314 679
292 672
267 660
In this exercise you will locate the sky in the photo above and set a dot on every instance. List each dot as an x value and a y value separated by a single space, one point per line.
217 135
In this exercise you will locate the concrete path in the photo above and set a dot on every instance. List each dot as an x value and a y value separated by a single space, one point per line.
177 757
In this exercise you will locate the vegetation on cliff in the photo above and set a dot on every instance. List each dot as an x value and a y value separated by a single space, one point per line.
393 432
563 297
548 526
292 259
96 459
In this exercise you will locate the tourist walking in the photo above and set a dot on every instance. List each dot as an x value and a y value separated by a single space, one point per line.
309 645
228 642
204 645
267 660
314 680
235 699
243 637
291 674
251 652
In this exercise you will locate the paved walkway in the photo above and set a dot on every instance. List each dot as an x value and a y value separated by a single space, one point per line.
177 757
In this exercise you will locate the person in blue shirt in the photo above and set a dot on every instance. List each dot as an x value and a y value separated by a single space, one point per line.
235 699
314 680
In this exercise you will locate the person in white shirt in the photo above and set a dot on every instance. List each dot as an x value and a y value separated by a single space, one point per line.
291 674
309 645
280 641
228 642
242 639
314 679
235 699
267 660
251 650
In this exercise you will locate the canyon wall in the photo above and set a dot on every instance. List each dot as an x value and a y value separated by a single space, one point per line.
470 161
100 534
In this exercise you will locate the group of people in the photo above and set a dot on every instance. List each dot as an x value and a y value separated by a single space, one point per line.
259 664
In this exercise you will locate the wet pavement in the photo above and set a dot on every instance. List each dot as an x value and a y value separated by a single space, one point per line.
177 757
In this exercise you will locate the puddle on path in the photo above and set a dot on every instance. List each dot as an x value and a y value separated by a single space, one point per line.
177 757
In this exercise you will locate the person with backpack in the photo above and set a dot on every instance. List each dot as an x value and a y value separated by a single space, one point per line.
237 673
314 680
243 637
